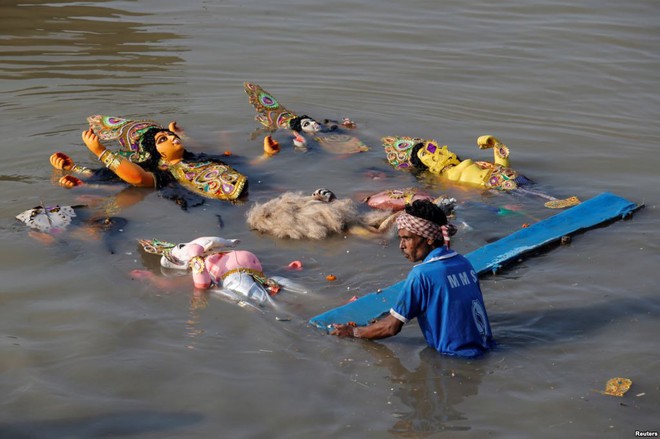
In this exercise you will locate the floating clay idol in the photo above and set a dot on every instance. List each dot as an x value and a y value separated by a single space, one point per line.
395 199
274 116
47 223
235 273
415 154
152 156
48 219
294 215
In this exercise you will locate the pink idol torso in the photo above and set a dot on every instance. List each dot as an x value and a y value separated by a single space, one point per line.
219 264
396 199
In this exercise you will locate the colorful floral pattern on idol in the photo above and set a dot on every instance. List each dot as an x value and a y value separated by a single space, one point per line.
502 151
271 114
209 179
274 120
501 178
396 194
398 150
156 246
127 132
274 116
408 195
396 199
283 119
268 101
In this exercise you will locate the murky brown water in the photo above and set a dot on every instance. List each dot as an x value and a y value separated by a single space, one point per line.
571 88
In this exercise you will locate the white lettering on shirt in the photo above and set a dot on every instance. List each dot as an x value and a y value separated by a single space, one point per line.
465 280
462 279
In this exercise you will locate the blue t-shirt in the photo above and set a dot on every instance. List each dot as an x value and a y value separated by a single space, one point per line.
443 292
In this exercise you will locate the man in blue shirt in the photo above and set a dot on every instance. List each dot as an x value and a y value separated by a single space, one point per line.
442 292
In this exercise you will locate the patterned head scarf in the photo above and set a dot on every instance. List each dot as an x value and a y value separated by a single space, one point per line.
127 132
425 228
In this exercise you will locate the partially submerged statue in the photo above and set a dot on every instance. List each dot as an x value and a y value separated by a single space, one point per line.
427 155
152 156
294 215
213 266
396 199
420 155
274 116
49 223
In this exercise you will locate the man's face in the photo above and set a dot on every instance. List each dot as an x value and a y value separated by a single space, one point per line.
414 247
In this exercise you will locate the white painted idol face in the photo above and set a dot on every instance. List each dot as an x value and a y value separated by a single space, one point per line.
310 126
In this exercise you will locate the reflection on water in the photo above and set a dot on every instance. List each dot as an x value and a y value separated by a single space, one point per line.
66 40
198 301
127 424
431 391
527 329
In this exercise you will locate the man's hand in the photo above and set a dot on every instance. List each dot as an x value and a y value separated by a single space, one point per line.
341 330
383 328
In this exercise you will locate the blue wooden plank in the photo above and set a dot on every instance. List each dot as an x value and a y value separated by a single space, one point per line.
599 210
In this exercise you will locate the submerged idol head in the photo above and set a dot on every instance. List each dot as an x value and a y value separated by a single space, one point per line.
305 124
160 143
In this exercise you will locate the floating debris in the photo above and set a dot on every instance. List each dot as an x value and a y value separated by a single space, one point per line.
617 386
295 265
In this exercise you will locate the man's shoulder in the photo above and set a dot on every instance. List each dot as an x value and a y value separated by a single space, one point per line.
441 263
437 257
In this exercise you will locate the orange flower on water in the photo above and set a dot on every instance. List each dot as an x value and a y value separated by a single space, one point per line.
331 277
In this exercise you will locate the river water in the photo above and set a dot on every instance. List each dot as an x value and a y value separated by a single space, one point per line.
572 88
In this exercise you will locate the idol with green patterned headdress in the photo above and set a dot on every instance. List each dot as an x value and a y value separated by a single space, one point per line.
150 155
